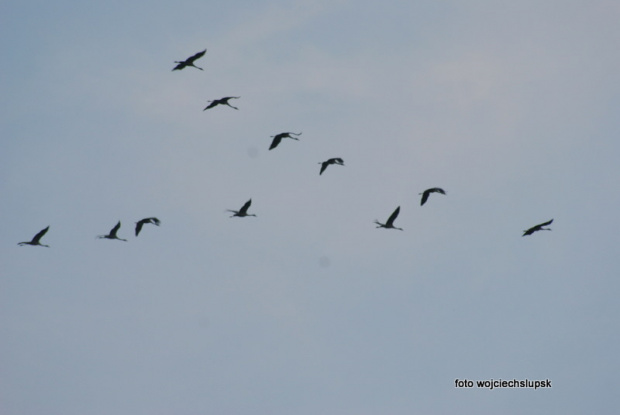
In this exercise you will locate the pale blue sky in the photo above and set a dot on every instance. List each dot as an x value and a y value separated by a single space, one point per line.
308 308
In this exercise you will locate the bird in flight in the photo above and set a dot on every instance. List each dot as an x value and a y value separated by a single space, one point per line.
537 228
221 101
112 234
243 211
278 137
390 222
335 160
37 238
189 61
427 192
144 221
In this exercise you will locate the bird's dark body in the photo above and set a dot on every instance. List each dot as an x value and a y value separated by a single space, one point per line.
335 160
221 101
112 234
243 211
36 241
390 222
537 228
144 221
278 138
189 61
427 193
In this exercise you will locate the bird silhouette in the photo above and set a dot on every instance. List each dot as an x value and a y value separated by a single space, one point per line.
390 222
243 211
144 221
221 101
112 234
37 238
278 137
537 228
189 61
427 192
324 164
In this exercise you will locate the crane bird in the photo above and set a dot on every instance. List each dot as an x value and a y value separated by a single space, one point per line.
243 211
189 61
112 234
335 160
278 137
221 101
144 221
537 228
390 222
37 239
427 192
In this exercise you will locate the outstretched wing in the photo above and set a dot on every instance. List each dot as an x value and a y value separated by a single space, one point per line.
39 235
275 142
392 218
139 226
424 197
115 229
324 166
245 207
195 57
545 224
212 104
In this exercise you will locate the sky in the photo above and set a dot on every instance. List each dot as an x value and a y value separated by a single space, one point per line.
307 308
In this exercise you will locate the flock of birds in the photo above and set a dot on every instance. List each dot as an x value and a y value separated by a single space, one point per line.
111 235
243 211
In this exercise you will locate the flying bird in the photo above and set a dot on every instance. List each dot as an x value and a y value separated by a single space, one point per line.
141 223
37 238
112 234
190 61
390 222
324 164
243 211
221 101
278 137
427 192
537 228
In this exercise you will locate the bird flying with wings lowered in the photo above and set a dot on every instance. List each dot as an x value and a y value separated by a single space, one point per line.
537 228
427 193
189 61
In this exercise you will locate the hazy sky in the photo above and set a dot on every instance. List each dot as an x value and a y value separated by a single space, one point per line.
511 107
